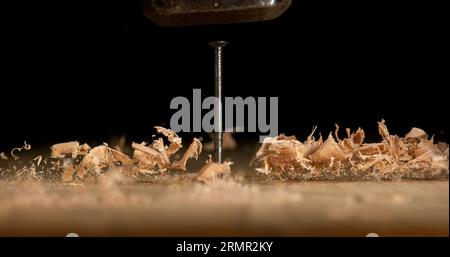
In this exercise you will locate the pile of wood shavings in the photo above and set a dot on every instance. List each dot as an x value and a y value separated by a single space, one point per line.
81 163
414 156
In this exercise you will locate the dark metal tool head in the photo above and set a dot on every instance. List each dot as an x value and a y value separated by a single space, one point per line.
205 12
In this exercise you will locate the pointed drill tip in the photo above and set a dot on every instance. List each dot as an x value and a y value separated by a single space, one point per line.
217 44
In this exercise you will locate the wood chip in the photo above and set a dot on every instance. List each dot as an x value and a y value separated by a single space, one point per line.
416 134
72 149
97 159
121 157
150 157
212 170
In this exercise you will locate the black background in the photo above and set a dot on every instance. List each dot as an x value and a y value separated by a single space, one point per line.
282 246
91 70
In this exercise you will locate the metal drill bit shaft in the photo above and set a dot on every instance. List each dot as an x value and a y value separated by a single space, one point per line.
218 139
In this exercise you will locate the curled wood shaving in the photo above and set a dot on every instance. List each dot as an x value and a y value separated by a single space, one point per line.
157 155
100 158
150 157
173 138
97 159
145 161
327 151
25 147
194 150
121 157
38 160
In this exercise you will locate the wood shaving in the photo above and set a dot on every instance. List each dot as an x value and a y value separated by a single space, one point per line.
38 160
413 156
118 155
97 159
213 170
416 134
194 150
149 158
173 138
25 147
157 155
73 148
3 156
